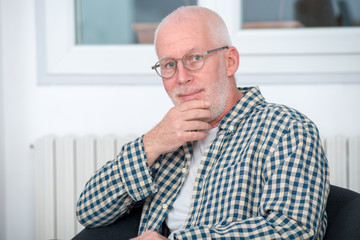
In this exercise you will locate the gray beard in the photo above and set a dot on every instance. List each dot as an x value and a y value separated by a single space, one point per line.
220 95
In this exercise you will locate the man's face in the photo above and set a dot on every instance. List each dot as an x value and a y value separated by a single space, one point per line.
209 83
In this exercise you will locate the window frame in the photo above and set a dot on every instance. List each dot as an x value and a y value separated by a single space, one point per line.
262 52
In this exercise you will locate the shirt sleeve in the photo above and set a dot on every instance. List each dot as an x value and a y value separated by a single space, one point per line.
116 187
294 196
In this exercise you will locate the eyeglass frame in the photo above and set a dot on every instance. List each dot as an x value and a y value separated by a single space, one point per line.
157 65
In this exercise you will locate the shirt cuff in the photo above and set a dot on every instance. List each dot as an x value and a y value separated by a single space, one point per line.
135 172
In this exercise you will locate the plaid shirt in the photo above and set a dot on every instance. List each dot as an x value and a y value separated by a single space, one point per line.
264 176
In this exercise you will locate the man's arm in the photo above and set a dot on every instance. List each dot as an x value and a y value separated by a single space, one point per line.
115 187
128 178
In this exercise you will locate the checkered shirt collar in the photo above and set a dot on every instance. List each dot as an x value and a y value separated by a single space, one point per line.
251 98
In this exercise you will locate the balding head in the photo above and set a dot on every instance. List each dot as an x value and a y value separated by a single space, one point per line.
214 25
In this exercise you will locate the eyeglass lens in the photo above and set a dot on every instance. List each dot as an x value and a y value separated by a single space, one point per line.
192 61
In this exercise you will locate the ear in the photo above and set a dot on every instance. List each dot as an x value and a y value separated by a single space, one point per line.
232 61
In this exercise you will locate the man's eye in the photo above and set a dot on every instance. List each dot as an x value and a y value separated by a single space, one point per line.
196 58
170 64
193 58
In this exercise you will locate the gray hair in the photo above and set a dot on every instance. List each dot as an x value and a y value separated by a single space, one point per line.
218 31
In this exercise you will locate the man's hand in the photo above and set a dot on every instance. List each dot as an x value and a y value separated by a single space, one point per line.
149 235
183 123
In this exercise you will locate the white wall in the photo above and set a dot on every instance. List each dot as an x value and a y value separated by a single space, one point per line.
31 111
2 156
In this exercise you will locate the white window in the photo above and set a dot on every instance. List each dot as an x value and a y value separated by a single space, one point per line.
268 48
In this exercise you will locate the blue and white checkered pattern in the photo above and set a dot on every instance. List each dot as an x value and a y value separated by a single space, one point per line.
265 176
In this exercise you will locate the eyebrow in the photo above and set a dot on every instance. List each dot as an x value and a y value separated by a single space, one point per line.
190 50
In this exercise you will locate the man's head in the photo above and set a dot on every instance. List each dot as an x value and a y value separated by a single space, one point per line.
215 25
190 29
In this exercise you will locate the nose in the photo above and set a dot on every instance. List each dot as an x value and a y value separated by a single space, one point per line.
183 74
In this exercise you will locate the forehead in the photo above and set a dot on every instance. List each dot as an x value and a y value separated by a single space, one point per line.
175 38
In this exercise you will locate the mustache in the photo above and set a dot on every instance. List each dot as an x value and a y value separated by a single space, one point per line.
184 90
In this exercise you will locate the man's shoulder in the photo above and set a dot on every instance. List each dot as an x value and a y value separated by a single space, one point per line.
274 112
257 105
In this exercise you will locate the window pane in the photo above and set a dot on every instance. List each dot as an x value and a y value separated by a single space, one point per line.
300 13
121 21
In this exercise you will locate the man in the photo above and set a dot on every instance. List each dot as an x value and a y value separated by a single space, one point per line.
222 163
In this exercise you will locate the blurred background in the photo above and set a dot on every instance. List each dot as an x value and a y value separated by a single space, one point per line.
80 68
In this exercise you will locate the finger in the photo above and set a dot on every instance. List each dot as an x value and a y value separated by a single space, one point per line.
191 125
198 114
194 136
193 104
196 126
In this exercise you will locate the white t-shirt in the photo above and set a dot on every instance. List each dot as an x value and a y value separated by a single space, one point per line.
178 214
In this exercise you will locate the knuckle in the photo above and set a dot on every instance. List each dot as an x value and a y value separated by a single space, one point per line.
174 110
177 126
179 135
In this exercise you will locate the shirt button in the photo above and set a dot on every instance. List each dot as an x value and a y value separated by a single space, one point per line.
164 206
231 128
184 170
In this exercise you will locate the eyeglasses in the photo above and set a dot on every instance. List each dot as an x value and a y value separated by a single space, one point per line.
194 60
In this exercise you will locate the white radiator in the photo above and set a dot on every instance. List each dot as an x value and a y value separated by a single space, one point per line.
344 160
64 164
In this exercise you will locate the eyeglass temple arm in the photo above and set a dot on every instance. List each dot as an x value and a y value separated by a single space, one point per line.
155 66
216 49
